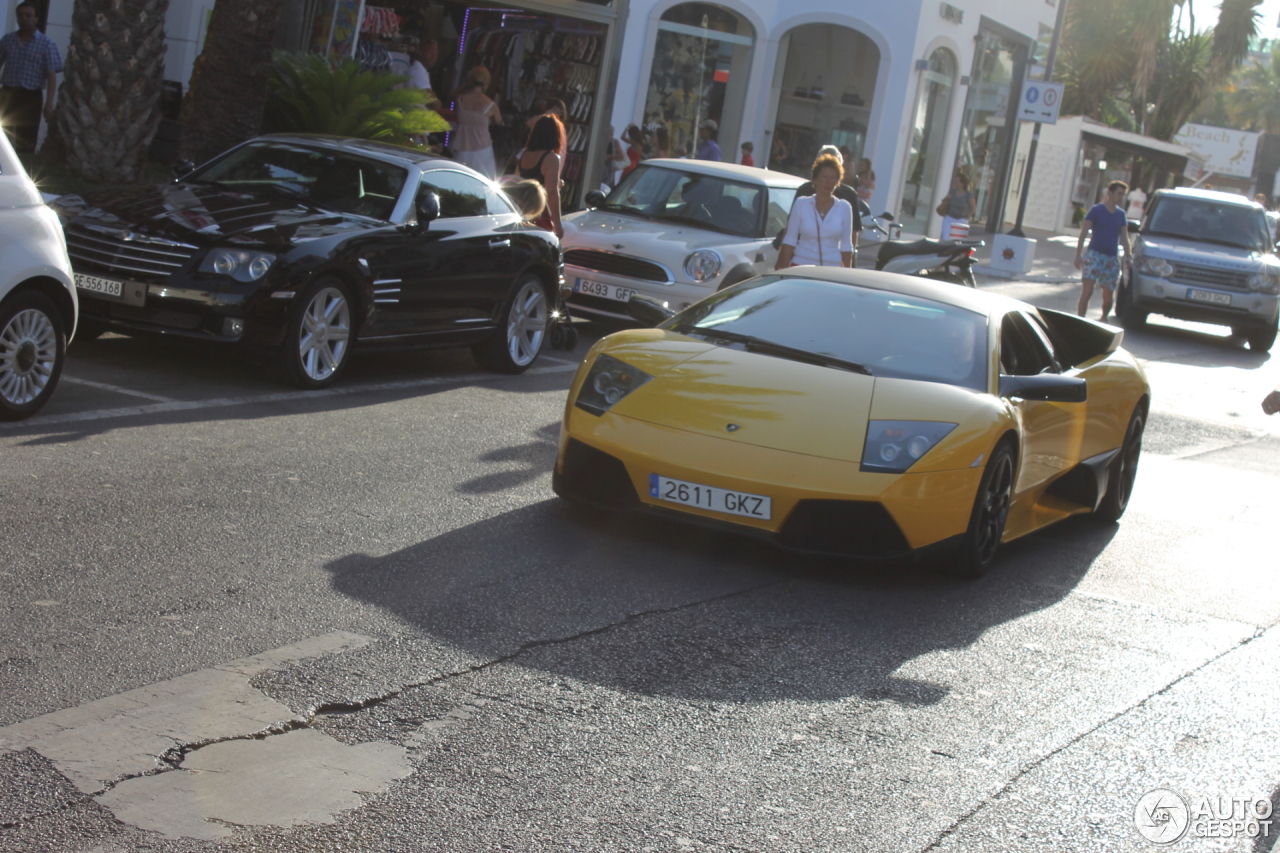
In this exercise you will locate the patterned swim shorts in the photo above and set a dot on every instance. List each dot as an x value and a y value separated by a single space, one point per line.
1104 269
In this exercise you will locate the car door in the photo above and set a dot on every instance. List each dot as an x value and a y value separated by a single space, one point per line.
1051 431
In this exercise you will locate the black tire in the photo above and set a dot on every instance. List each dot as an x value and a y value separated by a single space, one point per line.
1129 316
1124 469
33 350
978 547
1261 340
522 329
320 335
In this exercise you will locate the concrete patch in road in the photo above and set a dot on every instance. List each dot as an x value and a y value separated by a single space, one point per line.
299 777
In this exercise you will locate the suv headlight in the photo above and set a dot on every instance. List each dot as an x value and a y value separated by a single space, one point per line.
1265 282
894 446
1158 267
607 382
703 264
238 264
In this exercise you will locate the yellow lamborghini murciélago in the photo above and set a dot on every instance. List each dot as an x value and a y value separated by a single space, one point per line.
859 413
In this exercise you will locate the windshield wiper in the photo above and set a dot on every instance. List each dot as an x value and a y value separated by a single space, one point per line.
697 223
622 208
759 345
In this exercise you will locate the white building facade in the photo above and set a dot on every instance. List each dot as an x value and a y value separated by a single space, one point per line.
920 88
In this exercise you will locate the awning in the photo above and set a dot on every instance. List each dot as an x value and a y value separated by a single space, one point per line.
1170 155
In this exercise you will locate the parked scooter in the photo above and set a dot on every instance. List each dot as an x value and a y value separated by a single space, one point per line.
944 260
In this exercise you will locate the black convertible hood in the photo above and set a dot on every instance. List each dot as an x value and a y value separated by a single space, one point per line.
204 215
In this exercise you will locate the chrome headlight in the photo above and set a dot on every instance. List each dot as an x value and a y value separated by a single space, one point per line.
1265 282
1158 267
894 446
238 264
607 382
703 264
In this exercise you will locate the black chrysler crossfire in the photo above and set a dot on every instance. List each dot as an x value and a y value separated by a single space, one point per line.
302 248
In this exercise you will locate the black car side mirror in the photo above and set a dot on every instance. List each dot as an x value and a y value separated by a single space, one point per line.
647 311
1135 226
428 209
595 198
181 169
1047 387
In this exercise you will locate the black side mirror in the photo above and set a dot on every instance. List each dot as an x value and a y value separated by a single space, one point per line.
1135 226
428 209
647 311
181 169
595 198
1047 387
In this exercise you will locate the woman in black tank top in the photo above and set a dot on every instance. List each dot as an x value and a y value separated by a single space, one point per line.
541 162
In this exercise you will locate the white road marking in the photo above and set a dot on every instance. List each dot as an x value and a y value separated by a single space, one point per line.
281 396
117 389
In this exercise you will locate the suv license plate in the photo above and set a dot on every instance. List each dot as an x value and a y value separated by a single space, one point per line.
710 497
1209 296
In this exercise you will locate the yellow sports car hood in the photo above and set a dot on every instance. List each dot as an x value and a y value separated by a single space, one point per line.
749 398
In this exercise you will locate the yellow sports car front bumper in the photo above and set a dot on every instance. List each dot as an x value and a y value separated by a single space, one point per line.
817 504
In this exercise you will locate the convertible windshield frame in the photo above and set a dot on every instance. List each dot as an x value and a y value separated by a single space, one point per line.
662 193
853 327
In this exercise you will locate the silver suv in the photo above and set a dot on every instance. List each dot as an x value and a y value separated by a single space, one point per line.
1207 257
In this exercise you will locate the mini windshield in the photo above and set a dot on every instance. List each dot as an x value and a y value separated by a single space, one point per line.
705 201
1207 220
845 327
331 180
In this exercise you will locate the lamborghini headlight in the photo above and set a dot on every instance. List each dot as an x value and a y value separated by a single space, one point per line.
238 264
703 265
607 382
1158 267
894 446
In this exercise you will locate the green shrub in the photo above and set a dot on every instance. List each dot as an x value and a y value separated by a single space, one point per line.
309 94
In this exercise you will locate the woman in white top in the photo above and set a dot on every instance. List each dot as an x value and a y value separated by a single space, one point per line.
471 142
820 227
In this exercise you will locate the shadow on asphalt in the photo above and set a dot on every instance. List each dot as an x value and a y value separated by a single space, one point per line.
662 609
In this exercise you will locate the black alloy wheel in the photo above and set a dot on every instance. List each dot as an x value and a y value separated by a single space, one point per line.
981 541
1123 471
33 349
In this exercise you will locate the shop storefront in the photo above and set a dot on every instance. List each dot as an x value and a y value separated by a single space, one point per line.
922 188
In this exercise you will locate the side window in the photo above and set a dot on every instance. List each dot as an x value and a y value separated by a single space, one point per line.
780 201
500 203
1023 351
460 195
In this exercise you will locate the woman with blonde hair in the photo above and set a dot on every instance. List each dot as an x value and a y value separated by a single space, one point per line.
528 196
471 142
820 227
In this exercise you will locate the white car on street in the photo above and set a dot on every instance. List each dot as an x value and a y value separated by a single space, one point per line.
38 305
674 231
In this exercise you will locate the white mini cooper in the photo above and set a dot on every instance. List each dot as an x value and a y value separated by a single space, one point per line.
676 231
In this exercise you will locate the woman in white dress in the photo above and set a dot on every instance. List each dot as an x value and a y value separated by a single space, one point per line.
820 227
471 142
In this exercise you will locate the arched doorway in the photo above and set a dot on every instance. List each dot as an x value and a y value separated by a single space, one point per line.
828 81
701 64
921 190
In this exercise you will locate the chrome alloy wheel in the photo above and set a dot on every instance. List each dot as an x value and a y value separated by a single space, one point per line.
527 323
325 334
28 355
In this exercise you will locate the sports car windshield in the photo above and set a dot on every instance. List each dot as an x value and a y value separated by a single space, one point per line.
845 327
331 180
688 198
1210 221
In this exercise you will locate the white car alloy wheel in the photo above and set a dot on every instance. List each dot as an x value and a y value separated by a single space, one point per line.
325 334
527 323
31 352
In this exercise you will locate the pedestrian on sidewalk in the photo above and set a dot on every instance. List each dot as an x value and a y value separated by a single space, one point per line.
957 209
842 191
31 64
1101 263
709 148
472 144
820 227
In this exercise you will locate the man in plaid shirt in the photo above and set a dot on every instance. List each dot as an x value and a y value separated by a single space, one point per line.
31 63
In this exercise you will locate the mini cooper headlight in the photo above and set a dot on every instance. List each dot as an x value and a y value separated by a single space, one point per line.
702 265
1265 282
1158 267
238 264
607 382
894 446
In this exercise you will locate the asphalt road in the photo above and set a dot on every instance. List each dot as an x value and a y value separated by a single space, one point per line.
239 617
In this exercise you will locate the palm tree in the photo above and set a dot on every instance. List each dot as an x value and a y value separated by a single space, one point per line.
1253 99
109 103
229 83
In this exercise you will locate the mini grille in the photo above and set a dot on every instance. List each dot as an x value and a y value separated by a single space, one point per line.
1187 274
624 265
140 257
